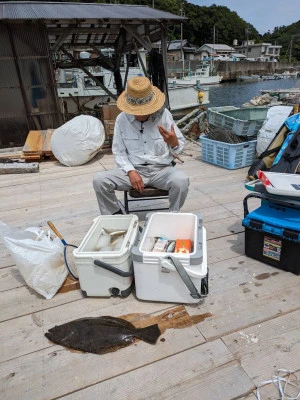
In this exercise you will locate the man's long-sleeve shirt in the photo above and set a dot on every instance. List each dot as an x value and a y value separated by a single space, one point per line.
139 143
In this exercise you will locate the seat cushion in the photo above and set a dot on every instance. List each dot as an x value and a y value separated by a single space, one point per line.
148 191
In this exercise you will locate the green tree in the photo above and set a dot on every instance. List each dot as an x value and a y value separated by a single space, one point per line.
289 38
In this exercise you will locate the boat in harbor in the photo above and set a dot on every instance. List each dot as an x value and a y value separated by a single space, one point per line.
257 78
201 77
249 78
288 74
75 87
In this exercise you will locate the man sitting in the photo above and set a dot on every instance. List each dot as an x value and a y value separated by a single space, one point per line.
145 136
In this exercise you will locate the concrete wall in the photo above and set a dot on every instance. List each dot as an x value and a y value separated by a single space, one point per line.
230 70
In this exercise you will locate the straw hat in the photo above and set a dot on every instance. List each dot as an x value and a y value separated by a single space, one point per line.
141 97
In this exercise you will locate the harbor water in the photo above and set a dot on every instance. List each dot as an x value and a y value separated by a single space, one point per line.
238 93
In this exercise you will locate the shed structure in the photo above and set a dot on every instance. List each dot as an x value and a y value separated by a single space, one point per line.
34 34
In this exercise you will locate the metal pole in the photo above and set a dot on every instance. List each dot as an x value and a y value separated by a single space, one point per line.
290 57
214 40
18 70
181 37
247 33
163 38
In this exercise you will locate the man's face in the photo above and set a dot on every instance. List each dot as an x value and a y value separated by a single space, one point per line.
141 118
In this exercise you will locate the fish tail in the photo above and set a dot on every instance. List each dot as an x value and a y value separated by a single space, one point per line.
149 334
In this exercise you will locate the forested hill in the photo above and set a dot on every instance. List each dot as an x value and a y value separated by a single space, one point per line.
219 23
289 38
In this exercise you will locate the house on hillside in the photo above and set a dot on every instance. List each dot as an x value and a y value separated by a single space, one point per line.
177 48
259 51
213 50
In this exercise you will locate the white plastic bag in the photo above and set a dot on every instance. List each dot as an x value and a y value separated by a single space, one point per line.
275 118
78 140
38 258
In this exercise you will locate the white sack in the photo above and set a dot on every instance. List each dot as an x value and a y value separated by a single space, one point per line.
38 258
78 140
275 118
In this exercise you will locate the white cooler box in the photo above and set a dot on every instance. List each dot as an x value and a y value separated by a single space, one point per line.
107 273
171 277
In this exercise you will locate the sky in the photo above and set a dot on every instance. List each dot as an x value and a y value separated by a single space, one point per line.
264 15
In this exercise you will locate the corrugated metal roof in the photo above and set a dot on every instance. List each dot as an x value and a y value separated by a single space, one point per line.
176 45
29 10
218 46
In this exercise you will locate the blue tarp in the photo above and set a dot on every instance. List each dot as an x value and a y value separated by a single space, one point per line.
293 122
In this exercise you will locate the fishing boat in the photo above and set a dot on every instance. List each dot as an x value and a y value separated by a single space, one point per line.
288 74
201 77
75 87
250 78
257 78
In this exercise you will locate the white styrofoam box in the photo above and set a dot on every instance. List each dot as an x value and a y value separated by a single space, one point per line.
156 278
96 280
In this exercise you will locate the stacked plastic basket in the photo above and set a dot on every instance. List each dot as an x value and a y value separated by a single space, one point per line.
242 122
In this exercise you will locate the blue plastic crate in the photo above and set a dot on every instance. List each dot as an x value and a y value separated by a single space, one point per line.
227 155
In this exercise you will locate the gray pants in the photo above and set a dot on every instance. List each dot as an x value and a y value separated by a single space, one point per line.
162 177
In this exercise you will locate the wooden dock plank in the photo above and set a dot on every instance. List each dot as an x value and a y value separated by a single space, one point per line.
40 214
189 375
264 348
246 297
34 143
5 258
225 247
46 147
244 292
10 278
37 374
23 301
28 330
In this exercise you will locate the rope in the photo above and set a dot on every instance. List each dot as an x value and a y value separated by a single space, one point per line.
287 382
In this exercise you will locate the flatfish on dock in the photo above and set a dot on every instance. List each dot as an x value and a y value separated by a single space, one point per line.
101 334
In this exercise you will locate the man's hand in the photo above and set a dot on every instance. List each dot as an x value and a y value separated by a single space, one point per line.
136 180
169 137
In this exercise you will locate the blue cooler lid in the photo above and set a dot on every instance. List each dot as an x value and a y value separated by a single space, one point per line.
276 219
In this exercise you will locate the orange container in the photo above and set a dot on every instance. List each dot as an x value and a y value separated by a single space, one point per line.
183 246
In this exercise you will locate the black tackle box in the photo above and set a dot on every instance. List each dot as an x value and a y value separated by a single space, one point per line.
272 232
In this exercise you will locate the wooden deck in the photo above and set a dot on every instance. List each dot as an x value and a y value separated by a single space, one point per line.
253 330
